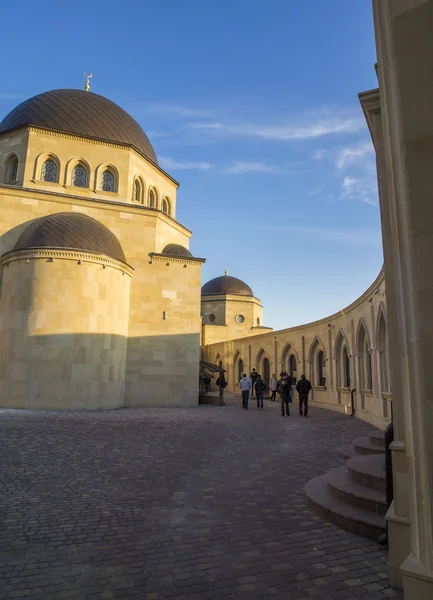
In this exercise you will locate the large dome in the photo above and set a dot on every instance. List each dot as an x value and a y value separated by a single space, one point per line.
72 231
81 113
226 285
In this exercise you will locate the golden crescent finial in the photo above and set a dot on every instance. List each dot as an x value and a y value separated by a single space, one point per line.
87 84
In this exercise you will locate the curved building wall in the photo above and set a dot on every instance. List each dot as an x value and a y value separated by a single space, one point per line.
63 330
341 353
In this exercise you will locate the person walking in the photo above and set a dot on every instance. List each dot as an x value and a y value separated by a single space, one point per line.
245 385
284 389
260 391
273 387
303 388
222 383
253 378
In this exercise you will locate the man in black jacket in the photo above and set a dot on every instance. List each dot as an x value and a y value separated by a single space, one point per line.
284 385
303 388
253 378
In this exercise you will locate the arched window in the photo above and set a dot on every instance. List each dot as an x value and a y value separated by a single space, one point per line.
152 198
258 321
321 374
369 369
345 365
14 170
364 361
79 176
138 191
49 171
11 171
166 206
383 354
107 181
293 367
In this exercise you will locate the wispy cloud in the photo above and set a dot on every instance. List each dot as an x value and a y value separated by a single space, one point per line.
181 165
282 132
318 154
241 167
352 155
357 237
363 189
314 192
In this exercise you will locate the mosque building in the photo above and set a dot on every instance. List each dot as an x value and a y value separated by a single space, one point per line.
100 296
100 301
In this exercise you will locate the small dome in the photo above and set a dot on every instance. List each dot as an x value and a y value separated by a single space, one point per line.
80 113
72 231
176 250
226 285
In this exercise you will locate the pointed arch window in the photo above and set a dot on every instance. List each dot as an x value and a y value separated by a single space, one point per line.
107 181
11 168
49 171
14 170
321 373
152 198
166 206
383 355
137 193
345 367
293 367
79 176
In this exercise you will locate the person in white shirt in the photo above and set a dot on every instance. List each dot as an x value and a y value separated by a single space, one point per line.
273 387
245 385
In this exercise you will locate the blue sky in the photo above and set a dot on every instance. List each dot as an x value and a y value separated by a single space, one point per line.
252 106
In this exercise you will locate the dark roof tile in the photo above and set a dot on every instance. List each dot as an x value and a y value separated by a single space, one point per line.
80 113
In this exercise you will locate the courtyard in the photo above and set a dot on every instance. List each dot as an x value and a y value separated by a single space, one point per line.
184 504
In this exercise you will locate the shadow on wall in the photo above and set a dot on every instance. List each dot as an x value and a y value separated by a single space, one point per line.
91 371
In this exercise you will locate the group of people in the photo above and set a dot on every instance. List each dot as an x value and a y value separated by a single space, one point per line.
282 386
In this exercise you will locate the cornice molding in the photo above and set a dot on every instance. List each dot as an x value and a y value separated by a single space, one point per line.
168 258
370 103
77 138
66 254
115 205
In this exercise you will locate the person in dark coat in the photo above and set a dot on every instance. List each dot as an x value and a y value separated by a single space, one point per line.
284 390
303 388
260 390
253 378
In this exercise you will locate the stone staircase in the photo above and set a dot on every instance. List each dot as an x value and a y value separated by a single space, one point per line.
353 496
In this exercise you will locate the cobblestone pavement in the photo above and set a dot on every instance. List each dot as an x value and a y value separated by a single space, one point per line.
184 504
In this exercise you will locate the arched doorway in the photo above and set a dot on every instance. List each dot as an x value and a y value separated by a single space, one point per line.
266 368
240 369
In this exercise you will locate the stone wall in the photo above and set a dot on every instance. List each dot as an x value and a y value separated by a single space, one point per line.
63 330
343 352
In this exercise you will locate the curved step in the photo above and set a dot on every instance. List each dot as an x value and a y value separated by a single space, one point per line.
363 445
377 438
342 487
347 517
347 451
368 470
